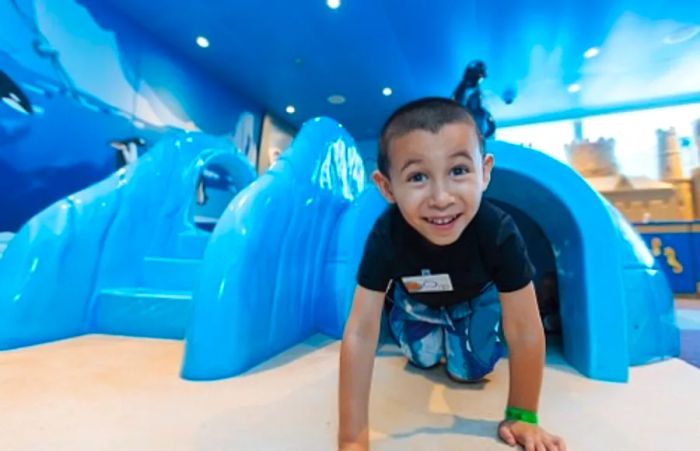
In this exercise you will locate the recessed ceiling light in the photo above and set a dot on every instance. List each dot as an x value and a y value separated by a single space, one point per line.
574 88
290 109
202 42
387 91
336 99
333 4
591 53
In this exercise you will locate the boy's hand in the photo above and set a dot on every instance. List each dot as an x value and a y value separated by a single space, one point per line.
530 436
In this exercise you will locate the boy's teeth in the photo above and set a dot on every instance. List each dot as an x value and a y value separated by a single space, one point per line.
441 221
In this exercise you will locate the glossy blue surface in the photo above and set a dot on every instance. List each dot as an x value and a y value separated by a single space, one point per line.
300 245
652 329
344 258
616 307
67 269
265 281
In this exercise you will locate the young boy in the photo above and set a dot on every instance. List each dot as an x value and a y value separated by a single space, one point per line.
444 258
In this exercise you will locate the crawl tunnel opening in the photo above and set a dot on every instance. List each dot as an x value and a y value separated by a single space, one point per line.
615 307
555 244
545 279
220 179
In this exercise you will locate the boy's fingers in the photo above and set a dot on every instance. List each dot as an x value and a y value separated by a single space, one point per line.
529 444
506 434
550 443
554 443
560 444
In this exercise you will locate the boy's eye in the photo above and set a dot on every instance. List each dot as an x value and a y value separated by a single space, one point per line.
460 170
416 178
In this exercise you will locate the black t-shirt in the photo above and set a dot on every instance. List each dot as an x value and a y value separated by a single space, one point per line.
490 249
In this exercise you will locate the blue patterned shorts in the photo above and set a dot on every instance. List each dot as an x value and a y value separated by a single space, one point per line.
468 334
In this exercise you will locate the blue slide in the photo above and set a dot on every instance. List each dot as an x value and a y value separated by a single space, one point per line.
298 235
121 256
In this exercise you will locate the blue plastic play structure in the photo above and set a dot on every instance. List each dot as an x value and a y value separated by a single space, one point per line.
267 277
615 305
299 240
120 256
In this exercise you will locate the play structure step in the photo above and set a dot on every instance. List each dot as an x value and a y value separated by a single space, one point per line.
172 274
190 246
142 312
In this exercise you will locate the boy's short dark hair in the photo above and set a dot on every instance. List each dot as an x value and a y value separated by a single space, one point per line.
430 114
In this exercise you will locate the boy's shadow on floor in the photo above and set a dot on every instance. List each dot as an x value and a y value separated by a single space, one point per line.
460 425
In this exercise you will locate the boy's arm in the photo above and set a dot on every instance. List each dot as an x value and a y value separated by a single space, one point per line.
526 349
525 337
356 364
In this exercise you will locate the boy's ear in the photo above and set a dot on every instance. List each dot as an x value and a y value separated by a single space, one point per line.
487 166
384 186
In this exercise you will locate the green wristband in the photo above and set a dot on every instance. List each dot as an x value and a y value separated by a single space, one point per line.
526 416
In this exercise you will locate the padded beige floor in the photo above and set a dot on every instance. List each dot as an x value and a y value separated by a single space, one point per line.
112 393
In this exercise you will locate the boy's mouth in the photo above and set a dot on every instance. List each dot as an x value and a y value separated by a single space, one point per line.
443 220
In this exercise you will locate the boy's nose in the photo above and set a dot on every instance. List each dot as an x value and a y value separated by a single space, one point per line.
441 197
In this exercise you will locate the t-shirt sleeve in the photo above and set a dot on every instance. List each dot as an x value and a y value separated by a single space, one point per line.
513 269
374 272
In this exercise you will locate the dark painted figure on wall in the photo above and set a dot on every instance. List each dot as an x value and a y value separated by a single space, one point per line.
128 150
468 94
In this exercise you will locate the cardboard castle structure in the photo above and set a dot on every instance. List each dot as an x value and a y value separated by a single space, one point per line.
672 197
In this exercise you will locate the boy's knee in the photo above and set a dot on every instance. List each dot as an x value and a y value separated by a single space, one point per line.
424 361
470 378
424 353
469 370
467 364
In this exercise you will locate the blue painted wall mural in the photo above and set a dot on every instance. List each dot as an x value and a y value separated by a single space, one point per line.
676 247
92 77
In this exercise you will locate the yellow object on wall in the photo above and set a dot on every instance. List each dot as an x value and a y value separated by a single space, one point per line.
670 255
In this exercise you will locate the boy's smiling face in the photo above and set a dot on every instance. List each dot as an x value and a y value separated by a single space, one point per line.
437 180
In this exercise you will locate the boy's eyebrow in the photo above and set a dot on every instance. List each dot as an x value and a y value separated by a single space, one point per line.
462 153
408 163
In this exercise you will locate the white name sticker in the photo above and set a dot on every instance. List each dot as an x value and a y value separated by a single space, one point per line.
428 284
